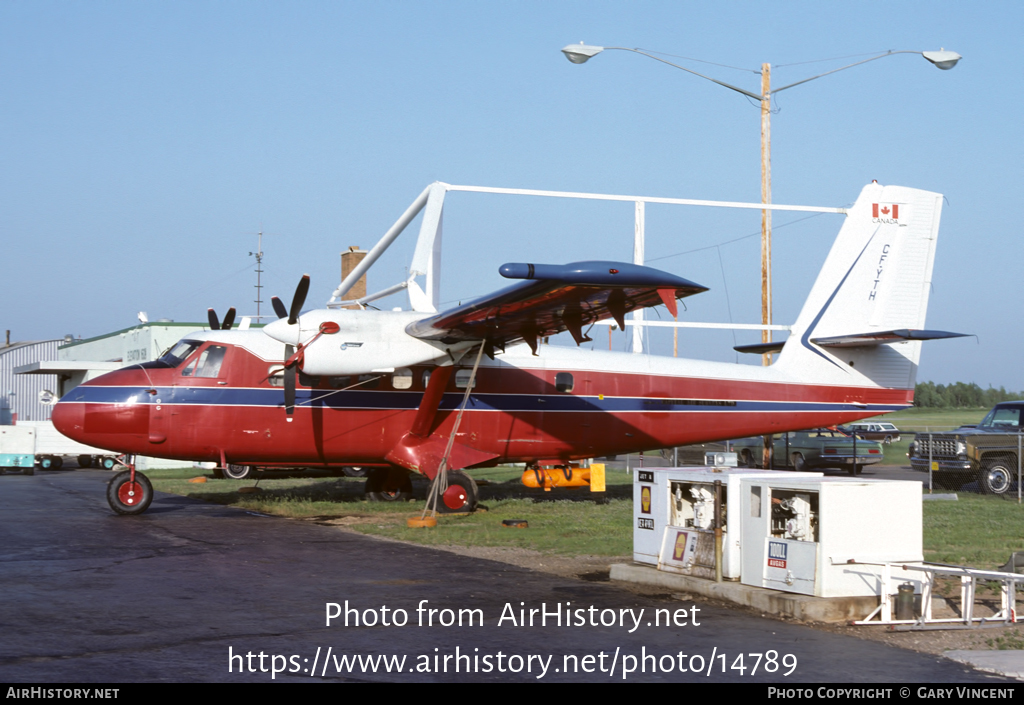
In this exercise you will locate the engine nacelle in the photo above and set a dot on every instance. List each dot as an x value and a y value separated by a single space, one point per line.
366 341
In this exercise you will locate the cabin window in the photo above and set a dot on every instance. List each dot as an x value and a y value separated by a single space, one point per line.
462 378
275 375
366 382
402 378
563 381
207 364
339 382
210 361
177 355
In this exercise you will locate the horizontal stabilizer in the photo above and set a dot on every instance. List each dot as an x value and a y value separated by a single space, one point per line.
861 340
555 298
761 348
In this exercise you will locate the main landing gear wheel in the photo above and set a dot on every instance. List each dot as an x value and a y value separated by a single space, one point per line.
127 497
996 477
388 485
238 472
85 461
462 494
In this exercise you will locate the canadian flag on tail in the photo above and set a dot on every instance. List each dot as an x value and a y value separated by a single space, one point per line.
885 210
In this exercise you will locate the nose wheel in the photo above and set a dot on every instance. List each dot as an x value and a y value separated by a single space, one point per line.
129 492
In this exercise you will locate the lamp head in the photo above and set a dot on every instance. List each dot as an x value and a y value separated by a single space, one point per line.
579 53
945 60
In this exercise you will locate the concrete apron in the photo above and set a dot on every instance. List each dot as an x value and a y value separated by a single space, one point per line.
800 607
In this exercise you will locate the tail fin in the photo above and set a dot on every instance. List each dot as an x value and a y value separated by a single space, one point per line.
876 278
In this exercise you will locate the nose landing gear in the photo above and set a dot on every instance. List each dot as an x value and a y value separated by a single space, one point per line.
129 492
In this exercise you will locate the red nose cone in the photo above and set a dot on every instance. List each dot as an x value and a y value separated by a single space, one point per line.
69 419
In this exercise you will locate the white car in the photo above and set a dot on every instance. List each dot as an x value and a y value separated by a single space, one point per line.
875 431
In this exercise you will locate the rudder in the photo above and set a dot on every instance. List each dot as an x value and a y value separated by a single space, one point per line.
877 277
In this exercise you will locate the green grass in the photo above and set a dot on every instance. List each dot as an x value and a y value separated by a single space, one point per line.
1013 639
976 531
913 420
567 521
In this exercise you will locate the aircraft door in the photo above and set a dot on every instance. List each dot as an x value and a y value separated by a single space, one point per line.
159 415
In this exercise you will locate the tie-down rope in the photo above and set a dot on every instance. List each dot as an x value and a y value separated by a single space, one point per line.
440 482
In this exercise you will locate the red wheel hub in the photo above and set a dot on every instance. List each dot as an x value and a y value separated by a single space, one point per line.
130 493
454 497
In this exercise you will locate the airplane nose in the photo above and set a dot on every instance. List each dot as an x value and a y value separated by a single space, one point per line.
69 419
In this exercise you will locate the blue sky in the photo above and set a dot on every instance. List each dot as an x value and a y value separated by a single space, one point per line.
145 144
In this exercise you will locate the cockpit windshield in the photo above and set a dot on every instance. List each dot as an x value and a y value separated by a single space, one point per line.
177 355
1002 417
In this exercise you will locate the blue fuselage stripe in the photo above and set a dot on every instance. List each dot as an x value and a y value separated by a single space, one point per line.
350 399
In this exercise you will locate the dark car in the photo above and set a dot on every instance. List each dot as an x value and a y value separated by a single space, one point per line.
986 452
811 450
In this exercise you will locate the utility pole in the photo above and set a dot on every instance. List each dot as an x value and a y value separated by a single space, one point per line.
259 273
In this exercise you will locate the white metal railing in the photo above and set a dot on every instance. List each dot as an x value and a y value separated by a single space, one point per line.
969 577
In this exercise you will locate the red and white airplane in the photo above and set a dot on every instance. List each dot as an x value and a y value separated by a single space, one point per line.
384 389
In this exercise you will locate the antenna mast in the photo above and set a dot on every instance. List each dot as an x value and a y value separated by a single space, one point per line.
259 272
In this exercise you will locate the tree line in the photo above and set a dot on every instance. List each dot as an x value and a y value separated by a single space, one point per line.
958 395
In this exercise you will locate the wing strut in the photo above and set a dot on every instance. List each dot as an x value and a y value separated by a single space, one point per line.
440 482
420 449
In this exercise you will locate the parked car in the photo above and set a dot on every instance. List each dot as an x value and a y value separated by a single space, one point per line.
811 450
874 431
985 452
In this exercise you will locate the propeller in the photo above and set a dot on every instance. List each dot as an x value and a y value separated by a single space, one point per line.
279 308
215 323
292 358
289 381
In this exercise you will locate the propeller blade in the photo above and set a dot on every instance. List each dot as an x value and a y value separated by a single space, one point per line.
300 298
289 382
279 308
211 316
296 358
229 318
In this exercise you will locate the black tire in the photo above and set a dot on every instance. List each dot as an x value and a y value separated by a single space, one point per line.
799 464
85 461
107 463
354 471
888 440
238 472
125 499
388 485
46 463
461 496
746 459
996 477
58 462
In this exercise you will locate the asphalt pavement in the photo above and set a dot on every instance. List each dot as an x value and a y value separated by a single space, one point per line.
197 592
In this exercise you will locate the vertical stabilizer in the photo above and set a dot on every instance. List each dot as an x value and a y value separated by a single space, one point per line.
876 278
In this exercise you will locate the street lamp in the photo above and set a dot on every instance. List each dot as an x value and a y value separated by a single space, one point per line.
943 59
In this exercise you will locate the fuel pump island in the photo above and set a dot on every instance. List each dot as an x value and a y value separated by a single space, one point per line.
831 545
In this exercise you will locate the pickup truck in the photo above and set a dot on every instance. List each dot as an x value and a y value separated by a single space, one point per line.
986 453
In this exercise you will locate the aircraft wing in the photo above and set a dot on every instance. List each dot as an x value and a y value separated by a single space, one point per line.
555 298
